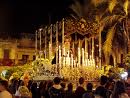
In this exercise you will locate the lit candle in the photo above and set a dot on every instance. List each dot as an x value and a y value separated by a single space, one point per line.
68 59
36 45
100 47
82 56
63 56
78 55
50 52
93 62
56 43
86 48
59 60
63 31
45 45
74 64
59 56
71 65
40 30
89 61
63 47
86 62
36 41
92 47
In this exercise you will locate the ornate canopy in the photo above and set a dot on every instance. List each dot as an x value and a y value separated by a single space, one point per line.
80 26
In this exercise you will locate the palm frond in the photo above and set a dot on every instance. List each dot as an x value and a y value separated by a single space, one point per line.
107 47
111 19
125 6
97 2
76 8
112 4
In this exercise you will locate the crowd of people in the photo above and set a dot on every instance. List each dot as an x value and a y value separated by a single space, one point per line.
108 88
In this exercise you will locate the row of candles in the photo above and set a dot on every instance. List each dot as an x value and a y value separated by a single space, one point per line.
83 59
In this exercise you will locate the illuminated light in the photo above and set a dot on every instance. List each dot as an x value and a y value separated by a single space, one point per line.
124 75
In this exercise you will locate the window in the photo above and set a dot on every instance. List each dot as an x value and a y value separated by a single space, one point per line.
34 57
25 57
6 53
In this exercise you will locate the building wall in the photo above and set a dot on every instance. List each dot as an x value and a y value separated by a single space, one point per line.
16 50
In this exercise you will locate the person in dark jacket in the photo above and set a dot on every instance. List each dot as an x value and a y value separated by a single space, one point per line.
89 93
69 92
48 86
13 87
80 90
56 90
34 90
101 90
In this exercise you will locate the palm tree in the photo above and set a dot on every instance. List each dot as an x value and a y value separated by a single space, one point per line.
111 16
116 35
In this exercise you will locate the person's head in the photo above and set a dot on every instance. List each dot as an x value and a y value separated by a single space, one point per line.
103 80
118 89
3 85
57 80
81 80
89 86
70 86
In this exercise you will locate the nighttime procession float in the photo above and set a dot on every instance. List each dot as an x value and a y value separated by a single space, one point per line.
78 46
87 43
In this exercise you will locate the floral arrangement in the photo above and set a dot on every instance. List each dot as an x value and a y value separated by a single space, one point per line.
42 65
88 72
127 60
16 71
15 75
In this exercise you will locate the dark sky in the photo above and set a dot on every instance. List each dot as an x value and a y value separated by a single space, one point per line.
27 15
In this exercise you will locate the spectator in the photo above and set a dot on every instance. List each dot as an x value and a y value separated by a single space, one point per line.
20 83
22 91
42 89
119 91
101 90
56 90
63 85
69 92
29 85
89 93
4 93
110 87
80 90
128 85
13 87
48 86
34 90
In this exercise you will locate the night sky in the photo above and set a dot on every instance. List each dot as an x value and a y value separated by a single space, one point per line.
18 16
